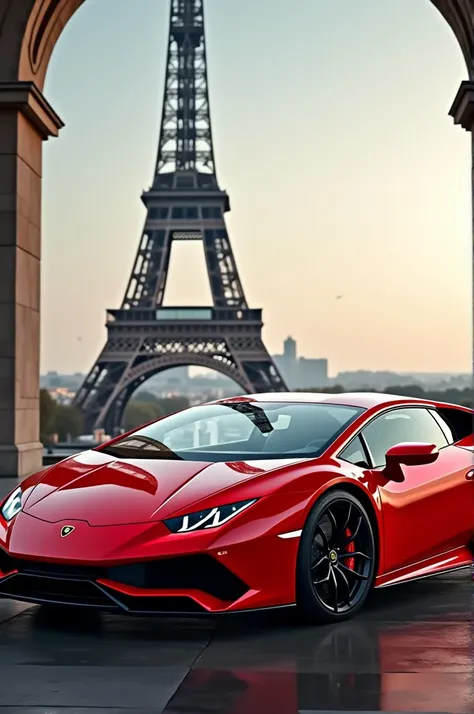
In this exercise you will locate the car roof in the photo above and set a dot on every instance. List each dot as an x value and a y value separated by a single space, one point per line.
364 400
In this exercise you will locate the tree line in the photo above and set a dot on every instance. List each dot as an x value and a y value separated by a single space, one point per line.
67 422
463 397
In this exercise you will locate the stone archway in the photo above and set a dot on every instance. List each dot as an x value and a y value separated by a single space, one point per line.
29 30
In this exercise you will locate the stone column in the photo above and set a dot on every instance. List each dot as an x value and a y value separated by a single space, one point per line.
26 120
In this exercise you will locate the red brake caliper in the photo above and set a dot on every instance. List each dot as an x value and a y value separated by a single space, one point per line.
350 562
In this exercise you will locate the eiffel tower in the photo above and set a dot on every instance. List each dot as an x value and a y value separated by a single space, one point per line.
184 203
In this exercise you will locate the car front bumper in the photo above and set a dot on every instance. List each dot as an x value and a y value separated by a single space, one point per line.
143 569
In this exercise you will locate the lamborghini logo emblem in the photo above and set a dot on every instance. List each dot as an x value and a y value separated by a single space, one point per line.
66 530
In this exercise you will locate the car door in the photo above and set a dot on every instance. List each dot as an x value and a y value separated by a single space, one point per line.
432 510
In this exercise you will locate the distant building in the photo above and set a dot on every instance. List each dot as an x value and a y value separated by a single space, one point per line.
311 373
289 349
301 372
365 379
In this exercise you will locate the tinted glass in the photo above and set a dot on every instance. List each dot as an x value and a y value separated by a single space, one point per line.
238 431
445 427
401 425
461 423
354 453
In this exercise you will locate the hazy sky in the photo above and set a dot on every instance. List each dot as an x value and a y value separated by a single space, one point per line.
346 176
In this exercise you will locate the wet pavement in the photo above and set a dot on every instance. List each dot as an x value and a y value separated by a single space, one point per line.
410 650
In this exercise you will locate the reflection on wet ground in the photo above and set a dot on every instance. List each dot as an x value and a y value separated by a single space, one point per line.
411 650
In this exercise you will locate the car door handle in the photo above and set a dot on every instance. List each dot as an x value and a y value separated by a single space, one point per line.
470 475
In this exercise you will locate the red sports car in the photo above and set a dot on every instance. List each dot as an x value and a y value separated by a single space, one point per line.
262 501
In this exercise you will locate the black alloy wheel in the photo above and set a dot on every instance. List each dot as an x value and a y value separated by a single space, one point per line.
336 559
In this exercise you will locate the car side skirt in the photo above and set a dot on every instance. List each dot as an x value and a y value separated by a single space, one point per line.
447 562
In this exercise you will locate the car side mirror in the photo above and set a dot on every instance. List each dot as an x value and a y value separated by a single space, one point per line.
408 454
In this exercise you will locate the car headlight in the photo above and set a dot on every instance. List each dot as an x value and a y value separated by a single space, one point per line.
12 505
210 518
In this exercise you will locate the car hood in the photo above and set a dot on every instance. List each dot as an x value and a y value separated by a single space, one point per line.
104 491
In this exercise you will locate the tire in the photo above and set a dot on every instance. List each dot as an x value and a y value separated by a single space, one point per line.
336 560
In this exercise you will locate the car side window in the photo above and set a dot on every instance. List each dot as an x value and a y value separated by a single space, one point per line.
401 425
355 454
446 429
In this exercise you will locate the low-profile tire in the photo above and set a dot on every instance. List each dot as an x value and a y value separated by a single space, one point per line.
335 568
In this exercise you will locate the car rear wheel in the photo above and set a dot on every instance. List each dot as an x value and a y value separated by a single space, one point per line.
336 559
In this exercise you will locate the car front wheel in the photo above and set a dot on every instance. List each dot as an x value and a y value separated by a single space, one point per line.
336 559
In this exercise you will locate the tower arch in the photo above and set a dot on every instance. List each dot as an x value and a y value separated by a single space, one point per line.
111 415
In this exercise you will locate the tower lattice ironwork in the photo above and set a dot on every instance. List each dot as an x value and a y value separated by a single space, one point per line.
184 203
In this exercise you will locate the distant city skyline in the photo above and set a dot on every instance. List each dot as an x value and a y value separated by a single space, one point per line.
349 184
289 354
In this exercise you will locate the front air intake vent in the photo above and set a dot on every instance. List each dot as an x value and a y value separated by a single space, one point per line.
193 572
7 563
54 590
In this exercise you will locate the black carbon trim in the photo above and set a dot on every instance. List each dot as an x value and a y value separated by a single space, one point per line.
191 572
87 594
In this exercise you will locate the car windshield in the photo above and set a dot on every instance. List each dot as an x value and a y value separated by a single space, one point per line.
239 431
